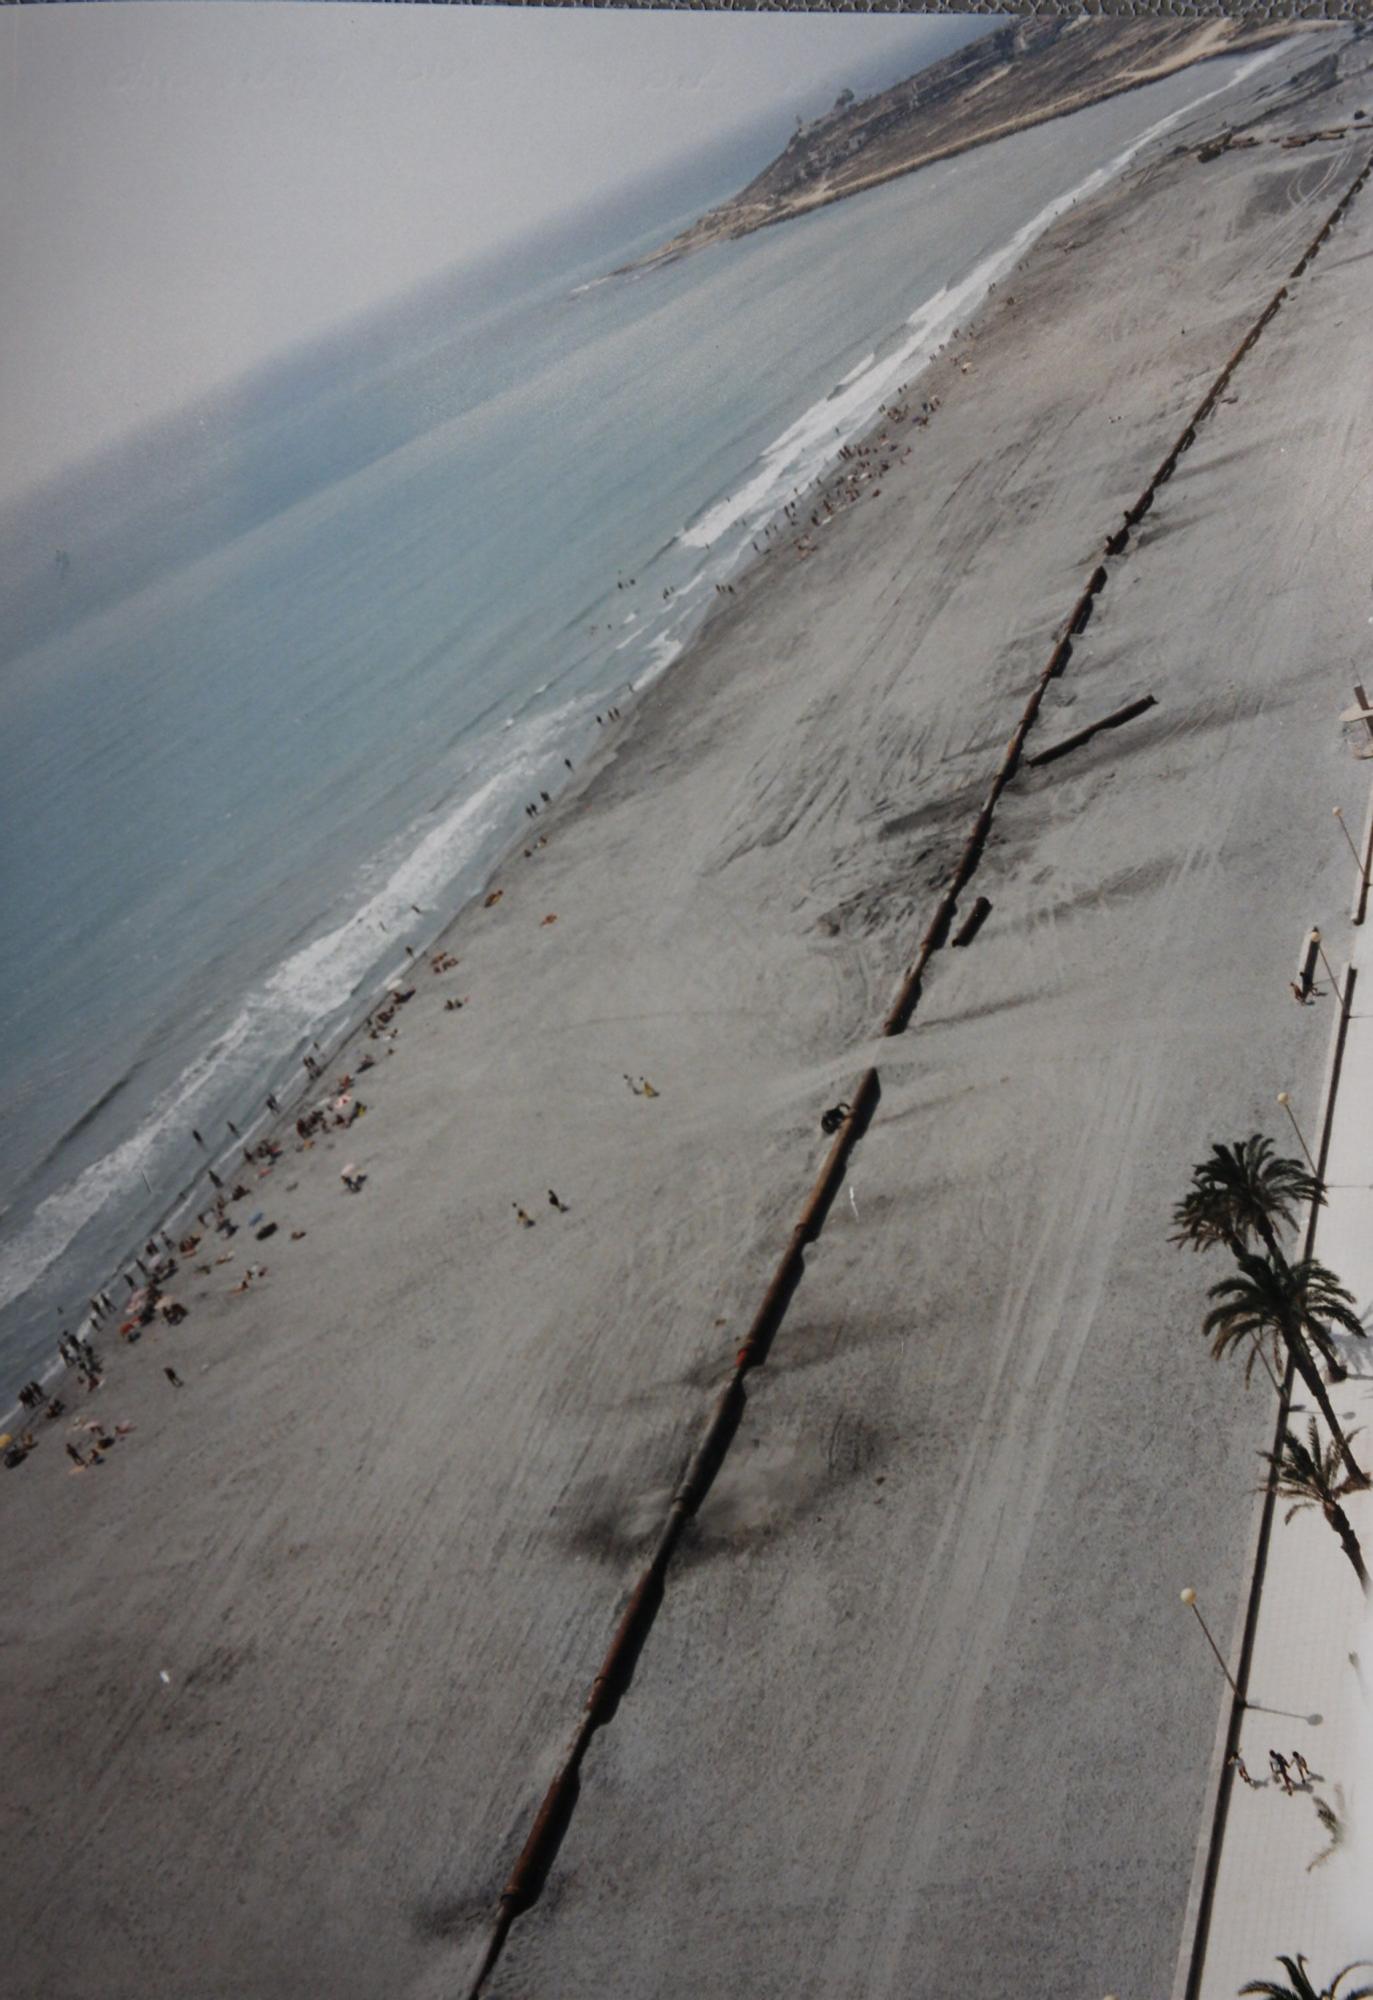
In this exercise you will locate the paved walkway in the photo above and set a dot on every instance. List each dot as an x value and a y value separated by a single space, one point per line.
1310 1684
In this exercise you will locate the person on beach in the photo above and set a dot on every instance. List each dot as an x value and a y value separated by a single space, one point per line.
75 1456
174 1378
553 1202
1282 1776
646 1087
1302 1767
633 1086
525 1221
1241 1770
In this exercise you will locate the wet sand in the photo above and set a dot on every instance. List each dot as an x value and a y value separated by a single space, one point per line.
919 1697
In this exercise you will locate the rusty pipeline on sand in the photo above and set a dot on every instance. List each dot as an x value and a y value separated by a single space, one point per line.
527 1878
1085 735
972 923
909 992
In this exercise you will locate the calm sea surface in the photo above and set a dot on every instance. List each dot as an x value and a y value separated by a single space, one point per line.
295 663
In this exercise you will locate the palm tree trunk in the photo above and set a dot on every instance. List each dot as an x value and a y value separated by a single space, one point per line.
1310 1375
1340 1522
1270 1242
1323 1343
1236 1249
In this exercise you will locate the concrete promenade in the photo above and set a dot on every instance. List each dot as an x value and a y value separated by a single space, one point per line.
1278 1886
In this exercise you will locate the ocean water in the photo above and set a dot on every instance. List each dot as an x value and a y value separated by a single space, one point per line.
292 665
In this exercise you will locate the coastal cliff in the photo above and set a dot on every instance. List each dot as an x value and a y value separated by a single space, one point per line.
1020 76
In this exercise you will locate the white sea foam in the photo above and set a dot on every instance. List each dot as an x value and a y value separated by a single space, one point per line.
861 369
308 988
662 652
808 446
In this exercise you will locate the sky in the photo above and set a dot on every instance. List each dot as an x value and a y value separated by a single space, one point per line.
189 186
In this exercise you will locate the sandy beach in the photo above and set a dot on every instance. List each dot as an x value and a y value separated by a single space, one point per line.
918 1710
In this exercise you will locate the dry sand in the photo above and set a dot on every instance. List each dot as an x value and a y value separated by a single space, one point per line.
921 1709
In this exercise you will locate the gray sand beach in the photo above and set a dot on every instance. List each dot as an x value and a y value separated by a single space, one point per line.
920 1711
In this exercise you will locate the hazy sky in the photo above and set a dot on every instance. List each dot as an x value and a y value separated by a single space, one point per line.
188 185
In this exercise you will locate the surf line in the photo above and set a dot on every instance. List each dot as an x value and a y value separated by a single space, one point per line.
529 1875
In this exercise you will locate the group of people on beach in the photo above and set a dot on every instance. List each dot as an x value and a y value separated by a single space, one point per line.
76 1353
863 464
526 1220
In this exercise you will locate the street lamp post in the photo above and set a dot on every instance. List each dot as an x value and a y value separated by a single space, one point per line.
1189 1597
1285 1100
1358 861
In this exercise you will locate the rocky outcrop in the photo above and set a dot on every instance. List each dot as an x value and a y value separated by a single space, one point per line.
1019 76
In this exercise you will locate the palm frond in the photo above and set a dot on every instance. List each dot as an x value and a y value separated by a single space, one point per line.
1308 1472
1302 1988
1290 1297
1243 1191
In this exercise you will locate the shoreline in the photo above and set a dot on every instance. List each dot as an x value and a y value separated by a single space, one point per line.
968 300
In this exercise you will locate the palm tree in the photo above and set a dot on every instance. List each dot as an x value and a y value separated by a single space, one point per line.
1308 1475
1285 1301
1244 1191
1301 1987
1241 1192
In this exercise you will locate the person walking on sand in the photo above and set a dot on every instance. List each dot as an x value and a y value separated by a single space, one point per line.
525 1221
553 1202
174 1378
1302 1767
1242 1771
633 1086
1281 1775
647 1087
75 1456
